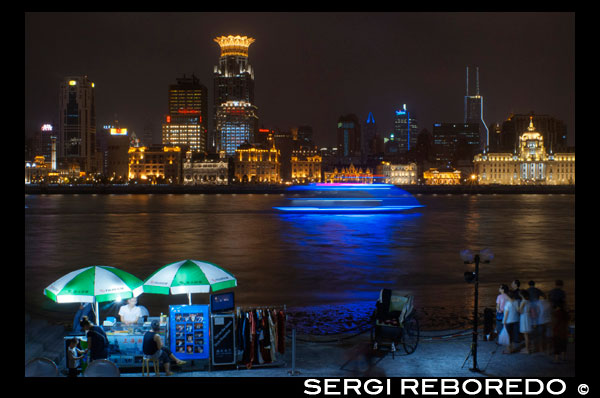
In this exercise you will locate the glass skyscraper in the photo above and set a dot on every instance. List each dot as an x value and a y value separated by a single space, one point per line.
405 129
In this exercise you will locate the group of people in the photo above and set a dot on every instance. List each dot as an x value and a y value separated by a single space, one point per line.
532 317
97 341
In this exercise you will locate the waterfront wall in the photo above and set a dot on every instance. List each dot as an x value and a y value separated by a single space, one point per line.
279 189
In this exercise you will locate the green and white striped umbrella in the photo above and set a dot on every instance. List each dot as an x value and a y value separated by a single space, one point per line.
95 284
189 276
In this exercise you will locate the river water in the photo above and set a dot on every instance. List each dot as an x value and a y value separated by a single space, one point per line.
304 261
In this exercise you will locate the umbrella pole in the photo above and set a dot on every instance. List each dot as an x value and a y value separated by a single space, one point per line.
97 314
190 298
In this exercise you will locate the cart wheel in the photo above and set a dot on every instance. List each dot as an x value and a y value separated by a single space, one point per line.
410 335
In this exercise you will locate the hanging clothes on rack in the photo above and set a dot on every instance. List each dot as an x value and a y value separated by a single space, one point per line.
264 339
272 335
261 332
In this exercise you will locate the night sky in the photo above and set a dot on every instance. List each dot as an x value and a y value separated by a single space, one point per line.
310 68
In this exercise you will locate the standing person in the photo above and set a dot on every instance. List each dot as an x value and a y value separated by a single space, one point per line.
500 304
516 290
74 354
557 296
96 340
560 331
130 313
534 310
85 309
154 347
525 323
511 321
544 323
534 292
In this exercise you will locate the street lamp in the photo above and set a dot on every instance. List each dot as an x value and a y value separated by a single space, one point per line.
470 257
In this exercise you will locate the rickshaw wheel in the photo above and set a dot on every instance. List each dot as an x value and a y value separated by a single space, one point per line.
410 335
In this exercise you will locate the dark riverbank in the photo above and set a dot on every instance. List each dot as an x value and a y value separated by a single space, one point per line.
279 189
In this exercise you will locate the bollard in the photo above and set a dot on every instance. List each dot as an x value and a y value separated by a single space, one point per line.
293 371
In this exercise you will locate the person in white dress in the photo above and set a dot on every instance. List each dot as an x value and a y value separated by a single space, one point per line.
525 321
511 321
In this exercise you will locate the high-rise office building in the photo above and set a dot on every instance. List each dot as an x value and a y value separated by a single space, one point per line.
368 140
235 115
348 136
186 122
405 129
77 123
453 141
236 124
474 110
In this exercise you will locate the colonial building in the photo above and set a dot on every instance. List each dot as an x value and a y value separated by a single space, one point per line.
208 169
350 174
155 164
306 165
437 177
530 164
398 174
256 163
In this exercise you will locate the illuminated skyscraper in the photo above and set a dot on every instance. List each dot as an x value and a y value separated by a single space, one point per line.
235 115
405 129
474 111
77 123
186 122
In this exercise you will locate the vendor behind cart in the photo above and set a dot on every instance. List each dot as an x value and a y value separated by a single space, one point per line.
130 313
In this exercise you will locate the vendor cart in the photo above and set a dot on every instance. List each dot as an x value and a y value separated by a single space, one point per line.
395 322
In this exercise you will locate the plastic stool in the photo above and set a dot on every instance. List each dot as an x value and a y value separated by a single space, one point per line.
146 365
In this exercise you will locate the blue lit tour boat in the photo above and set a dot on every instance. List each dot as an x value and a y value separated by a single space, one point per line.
347 198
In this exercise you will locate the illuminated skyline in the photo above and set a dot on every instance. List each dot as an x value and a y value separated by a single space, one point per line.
311 67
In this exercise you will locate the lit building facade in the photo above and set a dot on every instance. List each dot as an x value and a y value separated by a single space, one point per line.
77 123
186 122
155 163
306 165
253 163
209 169
437 177
398 174
117 154
531 164
236 124
235 115
349 174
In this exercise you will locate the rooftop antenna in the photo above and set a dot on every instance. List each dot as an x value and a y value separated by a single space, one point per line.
467 81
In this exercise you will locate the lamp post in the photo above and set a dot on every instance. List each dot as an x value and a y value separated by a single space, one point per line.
469 257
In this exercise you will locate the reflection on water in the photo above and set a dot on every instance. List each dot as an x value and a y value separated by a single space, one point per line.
302 259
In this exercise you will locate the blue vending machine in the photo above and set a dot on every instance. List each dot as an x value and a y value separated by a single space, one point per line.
189 331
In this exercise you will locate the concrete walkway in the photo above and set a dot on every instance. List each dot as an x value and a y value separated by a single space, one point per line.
439 354
432 358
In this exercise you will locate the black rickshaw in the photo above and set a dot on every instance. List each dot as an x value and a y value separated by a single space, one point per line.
395 322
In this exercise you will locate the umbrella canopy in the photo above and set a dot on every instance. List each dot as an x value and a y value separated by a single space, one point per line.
95 284
189 276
